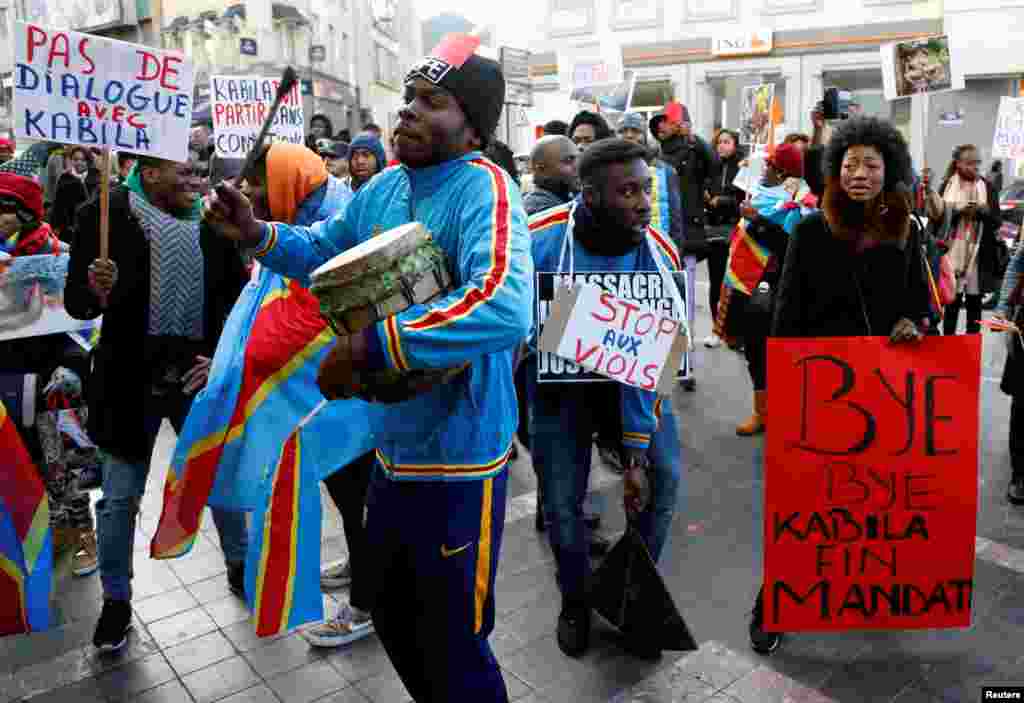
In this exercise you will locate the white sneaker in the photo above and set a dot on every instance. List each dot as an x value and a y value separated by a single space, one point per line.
349 625
335 575
712 341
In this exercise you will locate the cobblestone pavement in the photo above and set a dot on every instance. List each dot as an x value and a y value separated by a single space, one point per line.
193 642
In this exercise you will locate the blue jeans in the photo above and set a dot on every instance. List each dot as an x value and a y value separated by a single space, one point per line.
124 482
562 424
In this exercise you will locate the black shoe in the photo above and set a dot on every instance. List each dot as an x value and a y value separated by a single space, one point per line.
112 629
1015 493
689 385
639 645
236 579
574 631
761 641
599 546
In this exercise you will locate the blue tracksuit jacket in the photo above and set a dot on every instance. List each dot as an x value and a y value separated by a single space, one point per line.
640 409
463 429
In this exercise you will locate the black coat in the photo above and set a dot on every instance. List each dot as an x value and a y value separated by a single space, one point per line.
123 359
691 158
72 193
818 294
723 173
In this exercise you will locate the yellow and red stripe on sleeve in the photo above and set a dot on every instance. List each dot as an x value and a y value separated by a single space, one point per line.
501 254
638 440
666 246
546 219
271 241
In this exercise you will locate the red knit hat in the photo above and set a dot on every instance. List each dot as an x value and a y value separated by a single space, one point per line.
8 143
789 159
25 191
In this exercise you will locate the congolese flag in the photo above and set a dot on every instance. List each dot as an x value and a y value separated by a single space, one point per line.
262 383
26 545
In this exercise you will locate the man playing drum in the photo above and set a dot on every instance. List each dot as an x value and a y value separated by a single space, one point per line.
436 513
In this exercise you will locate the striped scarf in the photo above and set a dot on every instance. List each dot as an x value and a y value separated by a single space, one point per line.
176 287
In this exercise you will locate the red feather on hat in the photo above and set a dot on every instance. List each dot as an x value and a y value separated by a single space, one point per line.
455 49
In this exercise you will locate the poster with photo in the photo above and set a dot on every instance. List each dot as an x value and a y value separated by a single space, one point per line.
32 296
919 66
612 97
756 113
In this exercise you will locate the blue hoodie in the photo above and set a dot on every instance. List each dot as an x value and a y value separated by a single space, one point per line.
370 143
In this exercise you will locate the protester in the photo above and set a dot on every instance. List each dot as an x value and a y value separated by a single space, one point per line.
553 162
588 127
365 160
995 176
164 294
23 233
691 157
556 128
501 154
289 183
6 150
723 200
969 223
437 640
320 127
335 156
800 140
767 223
55 167
374 130
125 164
344 135
610 222
75 187
1010 308
854 269
666 213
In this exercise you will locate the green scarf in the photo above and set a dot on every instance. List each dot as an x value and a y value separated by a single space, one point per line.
134 184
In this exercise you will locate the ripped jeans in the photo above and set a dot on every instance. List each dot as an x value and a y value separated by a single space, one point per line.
124 482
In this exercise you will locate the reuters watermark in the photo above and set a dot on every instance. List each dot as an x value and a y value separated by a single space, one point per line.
1002 693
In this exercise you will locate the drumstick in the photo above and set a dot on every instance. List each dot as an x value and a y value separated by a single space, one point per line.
288 81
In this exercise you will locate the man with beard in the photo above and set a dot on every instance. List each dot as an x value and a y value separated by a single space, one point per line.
611 231
437 505
164 293
554 174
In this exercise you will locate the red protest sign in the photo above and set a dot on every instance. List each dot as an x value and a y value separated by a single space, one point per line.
871 476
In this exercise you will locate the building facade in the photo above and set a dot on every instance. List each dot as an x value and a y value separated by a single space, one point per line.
703 52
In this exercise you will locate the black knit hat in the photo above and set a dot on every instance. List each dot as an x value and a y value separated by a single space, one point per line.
476 82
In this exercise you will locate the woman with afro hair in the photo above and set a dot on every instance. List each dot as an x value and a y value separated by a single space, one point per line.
856 267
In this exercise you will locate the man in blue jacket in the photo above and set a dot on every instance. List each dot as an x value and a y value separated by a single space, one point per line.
436 513
611 232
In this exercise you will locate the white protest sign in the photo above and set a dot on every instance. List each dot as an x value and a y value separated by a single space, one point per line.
621 339
239 106
84 89
1008 140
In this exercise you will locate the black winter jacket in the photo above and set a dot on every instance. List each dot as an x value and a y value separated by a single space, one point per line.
723 173
691 158
123 359
989 269
540 199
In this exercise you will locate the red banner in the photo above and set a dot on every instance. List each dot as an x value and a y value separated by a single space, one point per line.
871 483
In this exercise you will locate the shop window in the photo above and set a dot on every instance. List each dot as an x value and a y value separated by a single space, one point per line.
632 14
651 95
570 17
728 97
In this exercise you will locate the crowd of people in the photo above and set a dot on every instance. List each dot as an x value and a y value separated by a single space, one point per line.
851 238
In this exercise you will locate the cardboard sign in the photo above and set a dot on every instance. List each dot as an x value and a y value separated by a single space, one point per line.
919 66
645 287
83 89
624 340
32 297
871 483
239 106
1008 140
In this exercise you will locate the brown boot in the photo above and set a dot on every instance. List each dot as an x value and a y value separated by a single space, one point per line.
756 424
85 560
65 539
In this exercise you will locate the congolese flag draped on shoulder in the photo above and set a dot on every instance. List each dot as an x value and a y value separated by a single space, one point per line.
26 544
748 258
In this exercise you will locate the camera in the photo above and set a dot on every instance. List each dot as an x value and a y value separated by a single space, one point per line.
836 104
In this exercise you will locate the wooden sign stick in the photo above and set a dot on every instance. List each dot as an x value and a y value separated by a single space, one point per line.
105 212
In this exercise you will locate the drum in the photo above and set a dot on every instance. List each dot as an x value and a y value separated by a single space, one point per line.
379 278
